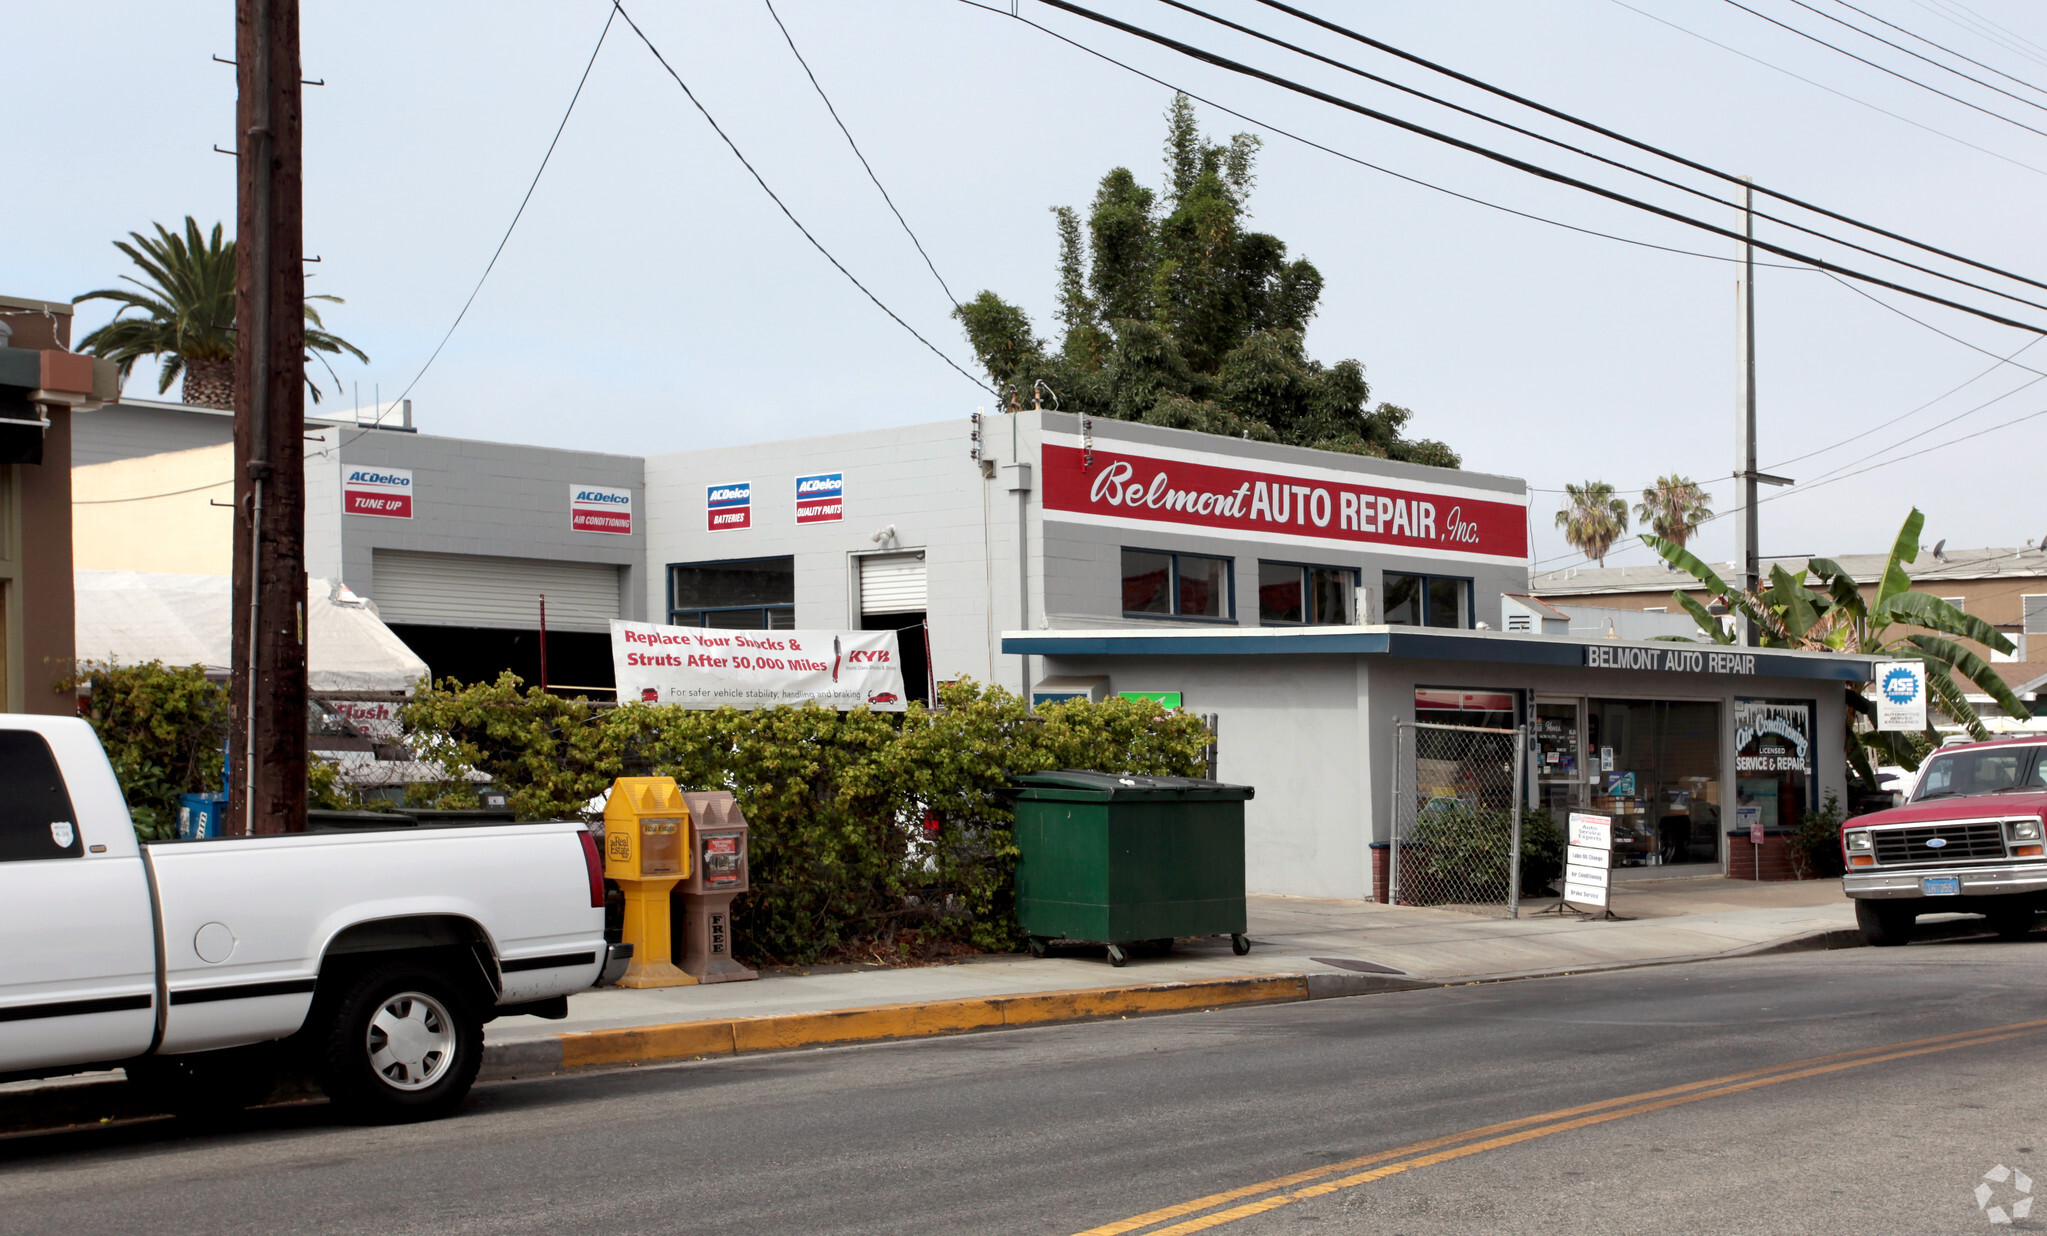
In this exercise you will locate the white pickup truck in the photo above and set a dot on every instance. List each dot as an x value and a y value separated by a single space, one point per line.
369 959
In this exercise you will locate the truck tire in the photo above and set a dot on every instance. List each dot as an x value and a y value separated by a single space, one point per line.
404 1044
2014 922
210 1086
1884 924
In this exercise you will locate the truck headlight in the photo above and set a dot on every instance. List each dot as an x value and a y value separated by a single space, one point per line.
1859 842
2025 830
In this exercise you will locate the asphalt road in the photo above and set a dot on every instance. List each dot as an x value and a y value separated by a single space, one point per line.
1377 1114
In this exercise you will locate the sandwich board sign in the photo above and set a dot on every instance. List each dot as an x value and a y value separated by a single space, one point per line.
1588 859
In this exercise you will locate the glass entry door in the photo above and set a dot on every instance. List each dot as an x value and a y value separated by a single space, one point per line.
1559 755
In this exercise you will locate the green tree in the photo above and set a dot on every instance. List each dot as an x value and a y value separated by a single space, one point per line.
1592 518
1674 507
187 308
1835 617
1174 313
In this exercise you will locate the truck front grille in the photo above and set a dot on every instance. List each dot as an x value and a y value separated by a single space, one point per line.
1964 843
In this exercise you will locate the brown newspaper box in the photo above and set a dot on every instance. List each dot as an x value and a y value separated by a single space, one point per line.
717 874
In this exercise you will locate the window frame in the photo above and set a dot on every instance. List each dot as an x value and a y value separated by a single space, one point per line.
1357 588
1468 620
39 743
1173 556
765 611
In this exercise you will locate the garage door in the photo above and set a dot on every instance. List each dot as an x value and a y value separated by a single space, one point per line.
892 584
465 590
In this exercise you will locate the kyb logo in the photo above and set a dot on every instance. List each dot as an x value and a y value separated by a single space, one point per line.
874 656
383 492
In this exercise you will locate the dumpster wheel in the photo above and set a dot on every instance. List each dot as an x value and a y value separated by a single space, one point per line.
1240 945
1117 956
1037 946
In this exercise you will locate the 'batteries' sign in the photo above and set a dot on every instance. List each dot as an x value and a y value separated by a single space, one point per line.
593 508
821 498
386 492
729 506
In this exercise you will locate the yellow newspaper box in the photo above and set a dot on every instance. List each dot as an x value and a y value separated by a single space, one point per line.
647 850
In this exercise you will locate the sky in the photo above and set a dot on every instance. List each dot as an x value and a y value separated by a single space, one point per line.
653 298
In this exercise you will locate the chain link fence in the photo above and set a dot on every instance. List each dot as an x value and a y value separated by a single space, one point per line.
1457 817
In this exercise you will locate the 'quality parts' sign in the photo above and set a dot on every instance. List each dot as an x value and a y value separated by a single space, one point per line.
593 508
729 506
1305 505
821 498
377 491
702 667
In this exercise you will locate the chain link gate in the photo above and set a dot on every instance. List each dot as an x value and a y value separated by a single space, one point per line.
1457 798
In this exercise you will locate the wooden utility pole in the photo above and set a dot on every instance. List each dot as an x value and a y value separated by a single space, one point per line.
267 793
1750 572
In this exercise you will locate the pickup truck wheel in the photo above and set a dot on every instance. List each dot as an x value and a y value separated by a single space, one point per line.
405 1045
2012 923
1884 924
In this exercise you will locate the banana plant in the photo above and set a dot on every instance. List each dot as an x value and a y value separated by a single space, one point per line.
1835 617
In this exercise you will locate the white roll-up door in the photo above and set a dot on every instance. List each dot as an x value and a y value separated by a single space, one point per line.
892 584
470 590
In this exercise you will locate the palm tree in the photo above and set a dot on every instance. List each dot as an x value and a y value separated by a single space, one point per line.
1834 617
188 316
1592 518
1674 507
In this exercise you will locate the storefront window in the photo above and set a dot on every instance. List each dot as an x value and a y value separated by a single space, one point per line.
746 594
1176 585
1426 601
1291 593
1558 775
1773 761
1654 765
1490 710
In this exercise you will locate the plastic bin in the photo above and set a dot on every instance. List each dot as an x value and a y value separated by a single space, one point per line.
199 815
1125 860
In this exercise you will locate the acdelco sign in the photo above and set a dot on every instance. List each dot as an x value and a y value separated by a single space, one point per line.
385 492
594 508
1318 506
729 507
820 498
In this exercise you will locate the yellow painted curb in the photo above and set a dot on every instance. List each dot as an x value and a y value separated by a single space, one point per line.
696 1040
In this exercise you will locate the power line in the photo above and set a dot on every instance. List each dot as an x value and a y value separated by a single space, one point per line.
787 213
858 155
1941 47
1903 77
1917 56
1777 68
1596 157
1522 165
1350 158
1658 151
1987 30
2002 360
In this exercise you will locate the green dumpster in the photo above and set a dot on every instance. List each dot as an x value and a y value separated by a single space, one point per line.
1126 860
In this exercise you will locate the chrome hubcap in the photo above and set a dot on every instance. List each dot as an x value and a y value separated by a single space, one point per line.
411 1041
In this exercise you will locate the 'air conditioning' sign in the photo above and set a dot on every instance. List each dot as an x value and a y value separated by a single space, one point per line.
729 506
386 492
821 498
593 508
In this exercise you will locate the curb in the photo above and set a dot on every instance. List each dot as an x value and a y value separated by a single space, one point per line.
703 1040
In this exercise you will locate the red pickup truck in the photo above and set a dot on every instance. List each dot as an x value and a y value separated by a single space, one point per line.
1968 840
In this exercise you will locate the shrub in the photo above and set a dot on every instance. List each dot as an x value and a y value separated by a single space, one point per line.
1815 848
163 727
1459 854
869 831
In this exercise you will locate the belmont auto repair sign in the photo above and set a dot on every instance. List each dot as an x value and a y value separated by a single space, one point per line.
702 667
593 508
377 491
729 506
821 498
1303 504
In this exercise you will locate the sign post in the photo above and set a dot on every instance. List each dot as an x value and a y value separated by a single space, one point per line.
1588 860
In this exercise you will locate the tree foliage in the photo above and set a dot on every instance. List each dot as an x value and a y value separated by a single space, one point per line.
1592 518
1674 507
870 832
1174 313
163 727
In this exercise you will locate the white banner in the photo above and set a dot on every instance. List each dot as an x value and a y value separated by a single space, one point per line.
700 667
1901 695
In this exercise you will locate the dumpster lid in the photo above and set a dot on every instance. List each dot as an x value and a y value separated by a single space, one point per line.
1128 785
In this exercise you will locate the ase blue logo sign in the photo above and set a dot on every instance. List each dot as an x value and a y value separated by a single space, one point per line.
1900 685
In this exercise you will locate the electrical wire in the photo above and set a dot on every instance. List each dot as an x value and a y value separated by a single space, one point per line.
2002 360
172 493
1860 102
1915 55
1987 30
858 155
1234 66
1350 158
1658 151
1903 77
787 213
1940 46
1596 157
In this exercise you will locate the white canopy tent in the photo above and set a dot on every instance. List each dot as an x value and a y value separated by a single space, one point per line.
133 617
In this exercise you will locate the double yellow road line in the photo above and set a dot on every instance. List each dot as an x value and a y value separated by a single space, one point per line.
1268 1195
